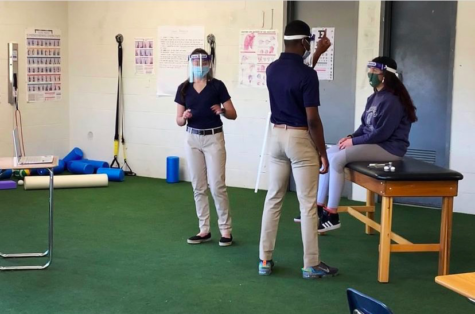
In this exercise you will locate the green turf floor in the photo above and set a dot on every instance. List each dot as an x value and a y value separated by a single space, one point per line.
122 249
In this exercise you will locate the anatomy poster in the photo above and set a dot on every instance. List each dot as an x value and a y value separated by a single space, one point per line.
43 64
143 55
324 66
257 49
175 45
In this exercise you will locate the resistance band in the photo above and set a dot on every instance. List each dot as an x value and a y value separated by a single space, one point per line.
120 111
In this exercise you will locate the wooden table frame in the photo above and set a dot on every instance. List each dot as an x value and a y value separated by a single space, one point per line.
388 190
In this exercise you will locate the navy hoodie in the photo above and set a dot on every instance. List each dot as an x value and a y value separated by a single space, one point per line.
385 123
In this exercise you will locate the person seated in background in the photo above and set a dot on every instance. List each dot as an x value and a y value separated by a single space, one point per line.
383 136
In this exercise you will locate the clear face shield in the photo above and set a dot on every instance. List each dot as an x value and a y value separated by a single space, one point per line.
199 66
375 70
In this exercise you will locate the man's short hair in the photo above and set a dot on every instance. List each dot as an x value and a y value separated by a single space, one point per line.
297 27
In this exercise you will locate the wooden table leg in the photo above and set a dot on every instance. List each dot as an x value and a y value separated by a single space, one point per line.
369 202
445 235
385 239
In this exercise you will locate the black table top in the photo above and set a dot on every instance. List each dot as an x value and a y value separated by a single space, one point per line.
407 169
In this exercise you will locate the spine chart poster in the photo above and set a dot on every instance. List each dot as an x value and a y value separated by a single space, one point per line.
43 65
324 66
257 49
143 55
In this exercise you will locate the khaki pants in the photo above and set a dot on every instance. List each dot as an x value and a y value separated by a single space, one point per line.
206 156
292 148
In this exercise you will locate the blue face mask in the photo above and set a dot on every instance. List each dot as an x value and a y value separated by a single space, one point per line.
200 72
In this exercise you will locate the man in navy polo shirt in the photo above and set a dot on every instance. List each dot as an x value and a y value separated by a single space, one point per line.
297 142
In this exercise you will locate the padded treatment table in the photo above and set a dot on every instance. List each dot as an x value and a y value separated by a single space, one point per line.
412 178
10 163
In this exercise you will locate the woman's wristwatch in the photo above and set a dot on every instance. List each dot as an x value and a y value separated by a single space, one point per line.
223 112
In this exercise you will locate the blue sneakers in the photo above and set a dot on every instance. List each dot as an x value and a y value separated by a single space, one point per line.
265 267
319 271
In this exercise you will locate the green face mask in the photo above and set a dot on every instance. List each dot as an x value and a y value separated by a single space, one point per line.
374 80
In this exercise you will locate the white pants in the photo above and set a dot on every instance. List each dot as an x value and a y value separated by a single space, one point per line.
331 184
206 156
292 148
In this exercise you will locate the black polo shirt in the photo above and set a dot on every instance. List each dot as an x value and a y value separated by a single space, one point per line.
292 86
214 93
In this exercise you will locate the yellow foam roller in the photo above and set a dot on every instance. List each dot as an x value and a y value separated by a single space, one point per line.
67 182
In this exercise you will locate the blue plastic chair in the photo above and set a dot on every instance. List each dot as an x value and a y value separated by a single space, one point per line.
363 304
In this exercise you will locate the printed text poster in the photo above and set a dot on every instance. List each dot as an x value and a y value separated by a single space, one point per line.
175 45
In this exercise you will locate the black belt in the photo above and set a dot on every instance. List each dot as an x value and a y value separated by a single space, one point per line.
204 132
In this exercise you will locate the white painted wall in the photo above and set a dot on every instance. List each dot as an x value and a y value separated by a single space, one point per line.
46 125
462 150
368 47
151 131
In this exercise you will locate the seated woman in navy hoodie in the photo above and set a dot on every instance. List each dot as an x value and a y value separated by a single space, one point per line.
383 136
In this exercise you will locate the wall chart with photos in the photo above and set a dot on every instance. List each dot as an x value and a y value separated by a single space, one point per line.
43 65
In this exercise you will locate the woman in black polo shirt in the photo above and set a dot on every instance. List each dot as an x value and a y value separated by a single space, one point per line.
201 100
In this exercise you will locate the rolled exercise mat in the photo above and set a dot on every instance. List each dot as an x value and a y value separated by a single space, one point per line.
96 163
75 154
56 170
79 167
112 173
173 169
6 174
7 185
65 182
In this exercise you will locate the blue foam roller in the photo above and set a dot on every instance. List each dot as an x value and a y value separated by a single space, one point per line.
113 174
75 154
56 170
60 167
173 169
42 172
96 163
78 167
6 174
7 185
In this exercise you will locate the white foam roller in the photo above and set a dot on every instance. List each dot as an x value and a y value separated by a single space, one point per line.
65 182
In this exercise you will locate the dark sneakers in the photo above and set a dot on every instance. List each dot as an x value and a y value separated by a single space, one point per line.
198 239
265 267
319 271
329 222
226 241
319 213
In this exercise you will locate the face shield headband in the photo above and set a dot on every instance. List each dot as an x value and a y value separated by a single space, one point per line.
381 66
295 37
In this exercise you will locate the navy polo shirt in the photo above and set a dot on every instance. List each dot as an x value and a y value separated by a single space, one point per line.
292 86
214 93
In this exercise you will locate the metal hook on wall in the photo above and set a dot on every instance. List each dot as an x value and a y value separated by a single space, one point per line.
263 18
